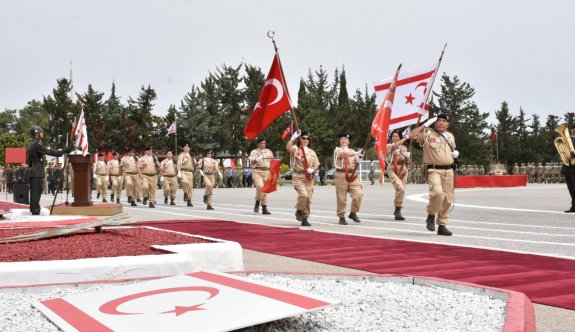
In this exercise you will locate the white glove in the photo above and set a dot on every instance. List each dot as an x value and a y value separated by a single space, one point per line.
120 178
358 159
406 137
430 121
407 154
220 175
161 178
295 136
359 153
311 170
95 176
179 174
201 173
455 154
259 158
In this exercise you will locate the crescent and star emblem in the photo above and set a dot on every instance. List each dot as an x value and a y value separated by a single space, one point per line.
279 87
111 307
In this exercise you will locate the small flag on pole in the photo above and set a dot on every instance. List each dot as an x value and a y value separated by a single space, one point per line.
288 131
82 134
172 129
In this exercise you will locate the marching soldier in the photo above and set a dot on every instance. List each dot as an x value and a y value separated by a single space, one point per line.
346 180
397 171
130 174
168 169
115 177
371 175
186 164
515 169
208 170
522 169
148 172
539 171
531 172
101 176
260 159
438 153
302 160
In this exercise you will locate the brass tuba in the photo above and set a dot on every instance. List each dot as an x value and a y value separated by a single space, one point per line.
564 145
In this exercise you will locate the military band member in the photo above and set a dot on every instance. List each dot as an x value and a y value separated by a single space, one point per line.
300 166
568 172
115 177
168 169
397 170
186 165
438 154
130 174
260 159
101 176
209 169
346 180
148 172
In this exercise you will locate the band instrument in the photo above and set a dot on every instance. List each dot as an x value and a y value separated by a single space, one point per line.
564 145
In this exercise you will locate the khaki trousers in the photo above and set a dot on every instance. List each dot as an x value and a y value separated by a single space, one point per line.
398 184
209 181
170 186
260 177
132 184
342 188
440 194
304 189
188 183
150 183
116 186
102 185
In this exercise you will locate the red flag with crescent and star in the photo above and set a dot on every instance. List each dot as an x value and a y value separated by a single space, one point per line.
273 102
271 184
381 122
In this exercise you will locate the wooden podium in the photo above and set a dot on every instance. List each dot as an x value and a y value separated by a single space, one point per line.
82 166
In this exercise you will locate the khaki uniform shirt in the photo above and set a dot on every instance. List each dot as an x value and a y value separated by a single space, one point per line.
186 162
264 164
148 165
436 151
209 166
114 167
128 165
100 168
168 167
296 159
339 160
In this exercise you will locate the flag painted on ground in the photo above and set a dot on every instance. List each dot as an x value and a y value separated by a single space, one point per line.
288 131
271 184
412 92
172 129
82 134
381 123
199 301
273 102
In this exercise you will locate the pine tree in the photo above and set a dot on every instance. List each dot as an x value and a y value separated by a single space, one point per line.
93 106
60 111
139 112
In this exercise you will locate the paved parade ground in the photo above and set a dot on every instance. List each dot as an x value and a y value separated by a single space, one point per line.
522 219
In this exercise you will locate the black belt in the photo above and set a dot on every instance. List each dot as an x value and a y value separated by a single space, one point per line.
187 170
208 173
263 168
130 173
149 174
340 170
169 176
450 166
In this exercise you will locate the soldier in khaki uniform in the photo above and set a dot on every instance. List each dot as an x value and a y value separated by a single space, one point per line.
148 172
302 185
186 165
209 169
346 180
101 175
438 153
396 170
115 177
129 168
260 159
169 169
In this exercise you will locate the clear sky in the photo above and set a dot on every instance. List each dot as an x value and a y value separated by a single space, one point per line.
517 51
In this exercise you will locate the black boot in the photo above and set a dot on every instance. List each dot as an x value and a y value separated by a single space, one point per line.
304 222
112 198
265 210
172 201
104 200
130 199
298 215
342 221
430 222
118 200
354 217
397 213
152 205
442 230
145 202
133 203
210 207
98 196
571 210
165 200
185 197
205 199
190 203
257 207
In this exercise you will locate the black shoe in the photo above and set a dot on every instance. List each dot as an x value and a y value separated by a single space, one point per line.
145 201
130 199
98 196
209 207
118 200
298 215
442 230
190 203
354 217
265 210
172 201
165 200
397 214
104 200
304 222
112 197
185 197
138 200
205 199
571 210
342 221
257 207
152 205
133 203
430 222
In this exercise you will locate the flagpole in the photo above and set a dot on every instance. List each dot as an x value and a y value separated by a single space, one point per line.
271 35
407 161
176 142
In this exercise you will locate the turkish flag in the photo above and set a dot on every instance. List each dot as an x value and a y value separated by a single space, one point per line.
494 136
271 184
274 101
381 122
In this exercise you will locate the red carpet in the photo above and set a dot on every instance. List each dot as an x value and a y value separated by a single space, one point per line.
545 280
